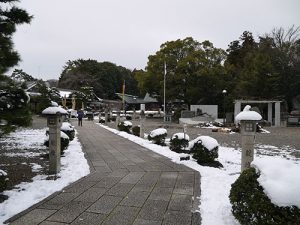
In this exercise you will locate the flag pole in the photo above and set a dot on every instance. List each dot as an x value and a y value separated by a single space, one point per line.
165 72
123 98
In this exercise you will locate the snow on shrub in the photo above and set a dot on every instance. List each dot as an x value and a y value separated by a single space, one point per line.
68 129
125 126
101 119
64 142
179 142
204 150
3 180
158 136
251 206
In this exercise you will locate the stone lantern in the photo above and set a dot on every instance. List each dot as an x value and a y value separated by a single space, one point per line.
54 122
248 120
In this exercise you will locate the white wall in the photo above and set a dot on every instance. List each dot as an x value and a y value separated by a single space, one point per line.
211 110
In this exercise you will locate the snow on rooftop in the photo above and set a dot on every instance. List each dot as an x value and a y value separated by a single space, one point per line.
208 142
52 110
280 179
65 93
246 114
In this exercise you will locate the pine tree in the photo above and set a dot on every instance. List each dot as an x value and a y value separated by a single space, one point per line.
10 16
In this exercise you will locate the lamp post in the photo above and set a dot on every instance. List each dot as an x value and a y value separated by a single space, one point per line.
224 111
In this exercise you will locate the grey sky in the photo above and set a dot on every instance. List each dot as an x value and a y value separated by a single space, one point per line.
126 32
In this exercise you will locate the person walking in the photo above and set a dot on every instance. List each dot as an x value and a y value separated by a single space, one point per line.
80 115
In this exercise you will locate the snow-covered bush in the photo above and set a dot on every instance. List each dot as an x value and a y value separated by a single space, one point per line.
251 206
101 119
125 126
179 142
158 136
3 180
136 130
68 129
64 142
204 149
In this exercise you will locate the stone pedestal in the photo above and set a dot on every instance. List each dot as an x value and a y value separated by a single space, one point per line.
117 119
248 129
142 124
54 124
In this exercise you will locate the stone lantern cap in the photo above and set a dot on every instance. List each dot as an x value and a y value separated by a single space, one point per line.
54 110
246 114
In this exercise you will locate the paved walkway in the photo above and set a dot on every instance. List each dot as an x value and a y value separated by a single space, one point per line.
128 184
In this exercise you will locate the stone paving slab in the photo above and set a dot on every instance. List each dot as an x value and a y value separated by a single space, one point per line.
128 184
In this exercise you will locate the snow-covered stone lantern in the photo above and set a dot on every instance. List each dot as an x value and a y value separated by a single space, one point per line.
54 122
248 120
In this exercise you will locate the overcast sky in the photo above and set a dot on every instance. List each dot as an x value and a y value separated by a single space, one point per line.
126 32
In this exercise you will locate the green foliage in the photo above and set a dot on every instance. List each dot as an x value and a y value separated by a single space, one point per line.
158 139
202 154
10 16
104 77
136 130
251 206
3 181
125 126
266 69
190 67
178 144
14 110
21 76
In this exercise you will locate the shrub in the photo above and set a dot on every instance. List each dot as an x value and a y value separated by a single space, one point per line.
204 149
251 206
3 180
101 119
136 130
68 129
125 126
64 142
179 142
158 136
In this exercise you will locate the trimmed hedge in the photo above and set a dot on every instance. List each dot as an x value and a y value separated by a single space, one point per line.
251 206
136 130
3 180
179 144
125 126
158 136
203 155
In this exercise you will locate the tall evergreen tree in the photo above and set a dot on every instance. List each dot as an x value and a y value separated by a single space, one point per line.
13 100
10 16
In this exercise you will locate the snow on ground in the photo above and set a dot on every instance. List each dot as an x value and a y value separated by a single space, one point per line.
287 191
73 167
215 207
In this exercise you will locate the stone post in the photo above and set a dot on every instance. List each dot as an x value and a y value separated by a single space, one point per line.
248 129
248 120
54 124
106 115
142 124
117 119
277 114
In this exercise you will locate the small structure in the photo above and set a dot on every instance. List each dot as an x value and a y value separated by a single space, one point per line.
54 122
248 120
277 119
